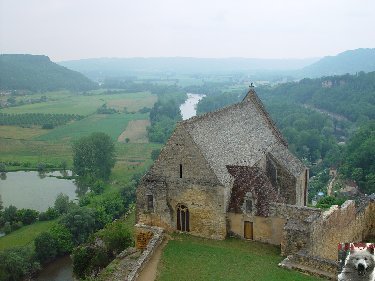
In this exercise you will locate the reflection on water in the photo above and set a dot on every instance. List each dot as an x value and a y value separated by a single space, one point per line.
82 187
34 190
3 176
189 109
42 174
59 270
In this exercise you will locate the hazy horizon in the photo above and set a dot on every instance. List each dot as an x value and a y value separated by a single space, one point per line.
291 29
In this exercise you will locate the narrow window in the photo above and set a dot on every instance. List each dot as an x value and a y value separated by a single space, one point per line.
150 203
180 171
249 205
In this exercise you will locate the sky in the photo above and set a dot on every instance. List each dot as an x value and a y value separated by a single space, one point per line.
77 29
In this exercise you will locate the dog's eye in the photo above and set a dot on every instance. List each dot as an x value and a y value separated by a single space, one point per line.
365 259
357 259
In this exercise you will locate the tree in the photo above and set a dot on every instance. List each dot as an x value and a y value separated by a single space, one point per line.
93 156
45 247
3 168
1 203
80 222
17 263
27 216
10 213
98 187
62 203
63 238
155 154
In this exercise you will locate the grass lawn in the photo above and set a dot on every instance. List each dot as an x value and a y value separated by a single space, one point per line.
191 258
25 235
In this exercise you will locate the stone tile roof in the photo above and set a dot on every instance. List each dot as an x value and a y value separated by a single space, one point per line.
287 159
238 135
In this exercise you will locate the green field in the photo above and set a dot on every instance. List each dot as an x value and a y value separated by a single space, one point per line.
25 235
19 133
34 152
191 258
111 124
73 103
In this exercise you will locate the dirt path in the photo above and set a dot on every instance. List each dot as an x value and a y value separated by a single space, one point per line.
330 185
149 271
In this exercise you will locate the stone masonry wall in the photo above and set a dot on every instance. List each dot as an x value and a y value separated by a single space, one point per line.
311 236
338 225
197 188
297 228
155 237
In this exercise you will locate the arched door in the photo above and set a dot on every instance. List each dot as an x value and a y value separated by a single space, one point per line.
183 218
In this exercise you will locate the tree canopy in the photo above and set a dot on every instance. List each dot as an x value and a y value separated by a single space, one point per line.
94 156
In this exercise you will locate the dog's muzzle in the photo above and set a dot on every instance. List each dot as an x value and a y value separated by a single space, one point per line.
361 269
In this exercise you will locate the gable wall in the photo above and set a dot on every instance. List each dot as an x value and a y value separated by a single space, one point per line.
198 189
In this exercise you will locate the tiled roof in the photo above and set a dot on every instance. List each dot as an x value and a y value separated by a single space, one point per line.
238 135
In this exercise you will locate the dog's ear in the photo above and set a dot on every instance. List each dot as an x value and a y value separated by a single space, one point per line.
370 249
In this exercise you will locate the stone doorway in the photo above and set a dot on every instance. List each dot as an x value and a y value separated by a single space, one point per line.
183 223
248 230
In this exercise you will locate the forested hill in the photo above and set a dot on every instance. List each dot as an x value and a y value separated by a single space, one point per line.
39 73
347 62
352 96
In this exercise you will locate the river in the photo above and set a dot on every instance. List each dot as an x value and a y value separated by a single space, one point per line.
189 108
59 270
34 190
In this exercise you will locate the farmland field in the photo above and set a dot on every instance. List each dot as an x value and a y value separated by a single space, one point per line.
135 132
26 147
111 124
70 103
14 132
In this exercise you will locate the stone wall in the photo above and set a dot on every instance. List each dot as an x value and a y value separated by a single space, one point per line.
194 185
268 230
157 237
311 236
340 225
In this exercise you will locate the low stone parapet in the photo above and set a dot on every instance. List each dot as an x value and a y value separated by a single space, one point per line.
148 238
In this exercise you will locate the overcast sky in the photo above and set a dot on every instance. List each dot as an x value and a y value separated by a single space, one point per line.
74 29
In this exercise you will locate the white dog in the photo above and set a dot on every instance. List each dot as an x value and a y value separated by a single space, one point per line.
359 266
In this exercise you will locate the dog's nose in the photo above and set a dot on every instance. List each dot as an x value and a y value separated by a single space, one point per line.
361 269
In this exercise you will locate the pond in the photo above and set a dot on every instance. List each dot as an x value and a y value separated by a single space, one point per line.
189 108
34 190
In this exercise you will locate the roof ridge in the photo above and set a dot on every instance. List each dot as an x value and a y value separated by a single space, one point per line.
207 114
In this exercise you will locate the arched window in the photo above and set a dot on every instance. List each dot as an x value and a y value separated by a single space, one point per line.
183 218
